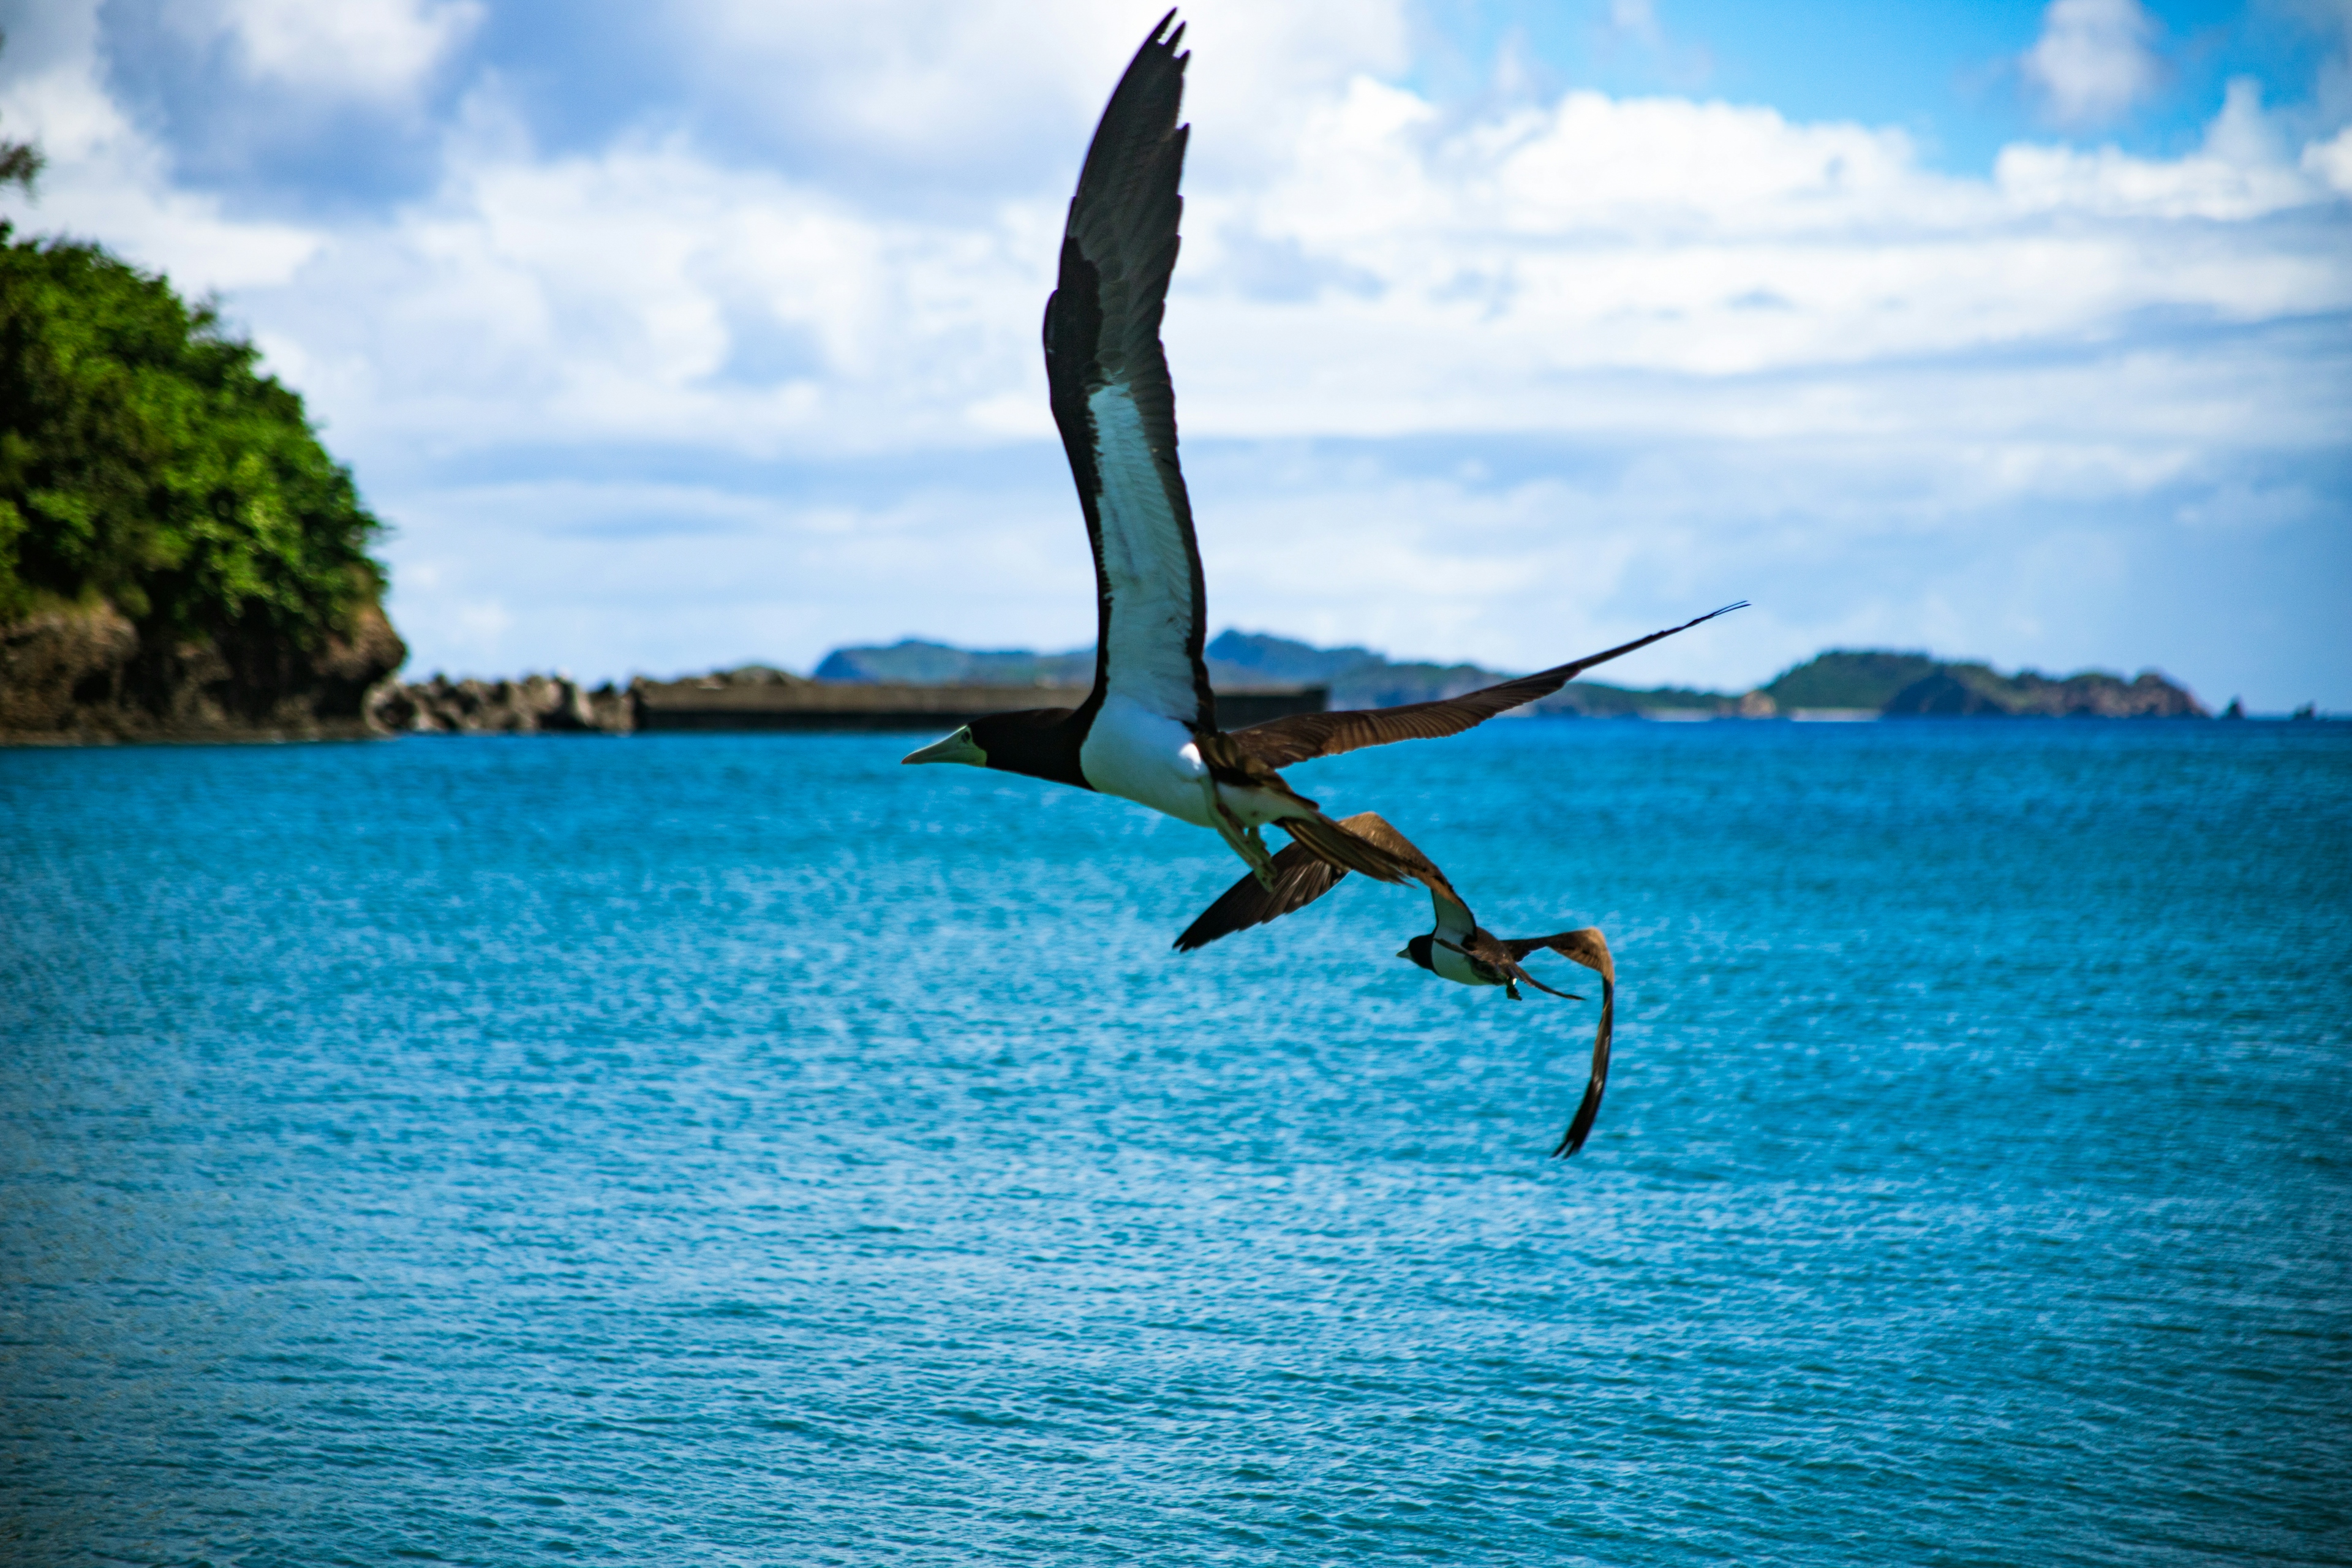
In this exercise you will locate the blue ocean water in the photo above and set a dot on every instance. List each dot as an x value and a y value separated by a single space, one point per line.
745 1150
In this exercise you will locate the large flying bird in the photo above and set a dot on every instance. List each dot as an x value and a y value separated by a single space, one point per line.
1459 949
1148 730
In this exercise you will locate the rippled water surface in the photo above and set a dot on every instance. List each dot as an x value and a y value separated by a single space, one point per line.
744 1150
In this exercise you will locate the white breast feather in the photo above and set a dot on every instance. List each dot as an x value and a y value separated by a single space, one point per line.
1145 757
1145 655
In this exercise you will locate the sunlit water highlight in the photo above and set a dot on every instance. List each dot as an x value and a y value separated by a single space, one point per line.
709 1150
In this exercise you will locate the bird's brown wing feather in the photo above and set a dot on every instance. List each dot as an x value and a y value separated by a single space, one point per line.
1300 879
1304 871
1301 737
1453 910
1384 859
1584 946
1591 948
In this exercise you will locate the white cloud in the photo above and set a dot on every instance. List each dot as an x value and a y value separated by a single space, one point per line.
922 86
2093 59
1700 239
107 179
1451 275
377 50
2241 136
1635 19
649 295
1491 277
2331 160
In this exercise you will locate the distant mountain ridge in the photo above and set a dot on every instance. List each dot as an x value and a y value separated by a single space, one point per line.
914 662
1858 681
1357 677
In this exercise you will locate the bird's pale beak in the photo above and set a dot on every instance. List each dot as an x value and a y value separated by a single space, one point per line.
1404 952
959 747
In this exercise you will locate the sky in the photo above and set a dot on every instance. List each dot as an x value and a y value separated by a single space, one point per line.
676 334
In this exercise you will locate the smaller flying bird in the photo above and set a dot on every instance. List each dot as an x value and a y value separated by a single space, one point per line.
1459 949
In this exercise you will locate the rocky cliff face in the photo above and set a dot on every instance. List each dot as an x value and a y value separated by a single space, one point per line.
87 674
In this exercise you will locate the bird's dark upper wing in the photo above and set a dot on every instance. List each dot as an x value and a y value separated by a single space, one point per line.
1112 399
1301 876
1301 737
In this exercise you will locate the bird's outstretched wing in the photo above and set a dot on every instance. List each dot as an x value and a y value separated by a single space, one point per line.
1112 399
1591 948
1302 875
1301 737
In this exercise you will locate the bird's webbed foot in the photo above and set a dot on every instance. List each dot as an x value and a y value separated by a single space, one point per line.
1247 842
1252 848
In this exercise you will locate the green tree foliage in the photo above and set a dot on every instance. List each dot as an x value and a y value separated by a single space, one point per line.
20 164
20 161
145 460
1845 677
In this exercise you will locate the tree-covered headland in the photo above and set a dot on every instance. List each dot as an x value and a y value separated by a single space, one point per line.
178 553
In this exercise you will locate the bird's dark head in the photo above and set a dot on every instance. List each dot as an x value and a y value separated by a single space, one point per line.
1039 742
1417 950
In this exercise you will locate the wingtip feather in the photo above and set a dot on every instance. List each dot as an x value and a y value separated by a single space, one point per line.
1587 1110
1580 1128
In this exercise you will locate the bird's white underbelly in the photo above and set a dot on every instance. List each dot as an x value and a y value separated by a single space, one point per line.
1145 757
1151 759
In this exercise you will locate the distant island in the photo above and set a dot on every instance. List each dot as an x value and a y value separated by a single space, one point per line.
1244 667
1915 686
1844 682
